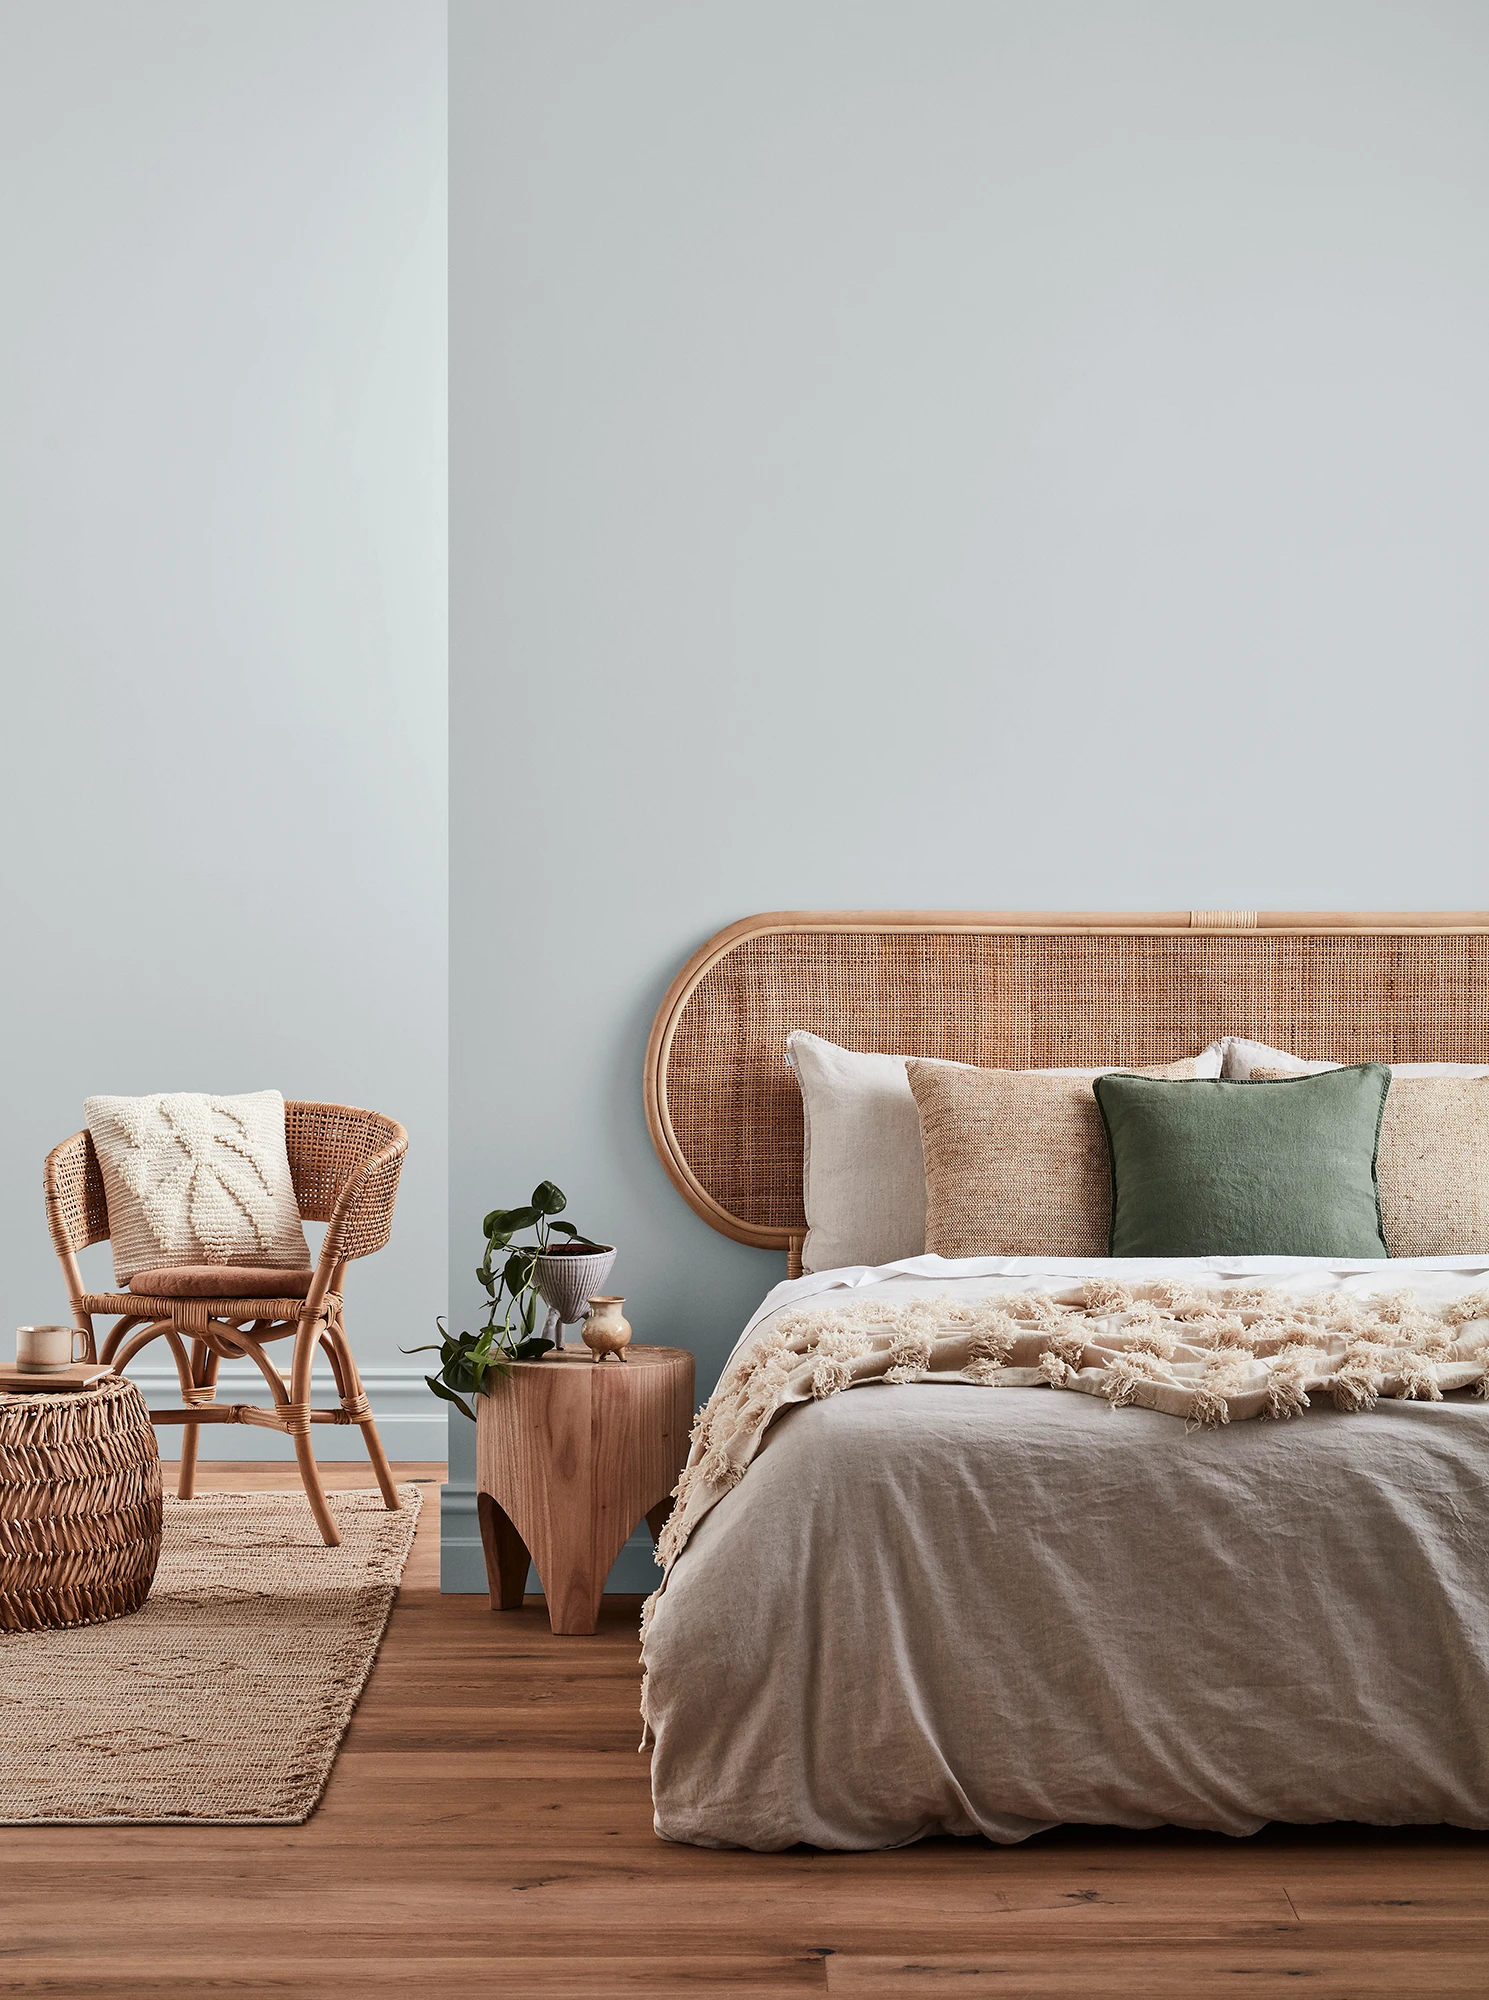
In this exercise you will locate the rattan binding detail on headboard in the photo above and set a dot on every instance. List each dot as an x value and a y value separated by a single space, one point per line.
1025 991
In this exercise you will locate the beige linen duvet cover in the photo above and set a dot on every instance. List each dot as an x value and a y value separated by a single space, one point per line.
936 1607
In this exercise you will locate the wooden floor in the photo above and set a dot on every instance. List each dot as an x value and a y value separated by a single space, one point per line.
488 1831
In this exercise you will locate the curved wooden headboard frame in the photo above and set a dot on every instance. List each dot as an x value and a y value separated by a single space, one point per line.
1365 1000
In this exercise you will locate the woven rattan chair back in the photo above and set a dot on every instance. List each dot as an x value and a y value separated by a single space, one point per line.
345 1164
329 1145
77 1208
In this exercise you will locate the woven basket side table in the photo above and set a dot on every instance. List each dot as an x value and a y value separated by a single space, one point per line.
571 1453
80 1512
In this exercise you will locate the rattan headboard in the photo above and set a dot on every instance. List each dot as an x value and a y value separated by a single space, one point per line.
1024 991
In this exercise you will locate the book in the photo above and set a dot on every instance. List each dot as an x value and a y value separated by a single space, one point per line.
51 1381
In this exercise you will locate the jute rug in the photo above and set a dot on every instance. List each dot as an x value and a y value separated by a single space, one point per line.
225 1698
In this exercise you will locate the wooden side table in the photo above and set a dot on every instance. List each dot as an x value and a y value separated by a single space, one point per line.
570 1454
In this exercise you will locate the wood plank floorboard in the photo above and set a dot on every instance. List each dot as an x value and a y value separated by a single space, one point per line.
487 1830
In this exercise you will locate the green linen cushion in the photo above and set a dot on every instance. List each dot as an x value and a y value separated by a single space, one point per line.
1231 1169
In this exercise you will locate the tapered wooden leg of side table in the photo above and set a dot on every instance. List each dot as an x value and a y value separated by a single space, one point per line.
574 1594
506 1554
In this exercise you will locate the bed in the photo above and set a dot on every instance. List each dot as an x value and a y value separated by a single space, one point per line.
925 1608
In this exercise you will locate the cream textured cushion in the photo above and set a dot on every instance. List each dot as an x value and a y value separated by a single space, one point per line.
1016 1161
193 1179
1432 1163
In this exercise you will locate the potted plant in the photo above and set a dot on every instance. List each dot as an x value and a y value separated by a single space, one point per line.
562 1274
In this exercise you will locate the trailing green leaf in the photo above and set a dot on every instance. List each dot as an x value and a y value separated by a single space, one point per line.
517 1272
448 1394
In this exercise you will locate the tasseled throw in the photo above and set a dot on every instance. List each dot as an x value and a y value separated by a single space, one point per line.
993 1340
1125 1376
1103 1295
1070 1346
1475 1306
1168 1294
1418 1382
1286 1395
830 1376
1219 1383
910 1357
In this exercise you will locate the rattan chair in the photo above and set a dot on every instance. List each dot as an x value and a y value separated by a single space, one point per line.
345 1165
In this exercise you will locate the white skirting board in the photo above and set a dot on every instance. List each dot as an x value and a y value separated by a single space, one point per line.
410 1421
462 1567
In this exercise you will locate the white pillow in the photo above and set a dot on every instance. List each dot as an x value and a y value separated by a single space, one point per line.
863 1170
193 1179
1241 1057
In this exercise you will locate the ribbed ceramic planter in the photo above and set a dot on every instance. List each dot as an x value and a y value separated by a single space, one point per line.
566 1280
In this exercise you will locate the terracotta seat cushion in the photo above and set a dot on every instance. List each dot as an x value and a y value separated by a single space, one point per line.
220 1281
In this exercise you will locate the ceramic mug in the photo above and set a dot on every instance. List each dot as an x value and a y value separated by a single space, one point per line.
41 1349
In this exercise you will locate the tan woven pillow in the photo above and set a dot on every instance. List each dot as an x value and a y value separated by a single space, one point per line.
1432 1163
1016 1162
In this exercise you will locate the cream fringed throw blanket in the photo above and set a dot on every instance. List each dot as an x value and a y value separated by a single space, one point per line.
1207 1358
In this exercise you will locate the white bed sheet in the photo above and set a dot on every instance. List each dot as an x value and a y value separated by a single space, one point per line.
934 1608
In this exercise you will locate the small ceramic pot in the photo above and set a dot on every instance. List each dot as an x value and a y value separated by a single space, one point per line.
565 1278
607 1330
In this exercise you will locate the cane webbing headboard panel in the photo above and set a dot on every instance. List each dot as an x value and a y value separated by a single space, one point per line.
1022 991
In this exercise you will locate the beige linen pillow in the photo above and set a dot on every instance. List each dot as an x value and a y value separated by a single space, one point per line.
1432 1162
193 1179
863 1172
1016 1161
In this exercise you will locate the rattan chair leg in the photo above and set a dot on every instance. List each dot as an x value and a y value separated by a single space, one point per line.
344 1390
190 1438
180 1356
380 1464
307 1338
186 1476
204 1364
315 1493
349 1387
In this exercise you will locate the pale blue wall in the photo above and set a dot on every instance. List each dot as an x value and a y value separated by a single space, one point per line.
222 597
950 454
